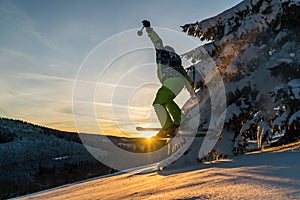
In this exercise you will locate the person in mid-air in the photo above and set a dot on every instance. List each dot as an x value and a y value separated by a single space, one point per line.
173 78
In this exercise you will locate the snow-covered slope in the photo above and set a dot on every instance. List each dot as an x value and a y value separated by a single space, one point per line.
255 46
256 176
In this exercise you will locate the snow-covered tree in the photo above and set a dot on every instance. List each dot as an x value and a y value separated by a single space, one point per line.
256 47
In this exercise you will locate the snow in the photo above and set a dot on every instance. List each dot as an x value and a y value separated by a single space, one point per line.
263 128
272 175
260 115
294 117
279 121
292 55
295 83
232 111
247 125
291 2
61 158
285 60
250 54
251 20
292 88
280 36
296 93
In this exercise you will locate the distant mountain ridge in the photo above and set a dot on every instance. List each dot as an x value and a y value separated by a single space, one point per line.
12 125
33 158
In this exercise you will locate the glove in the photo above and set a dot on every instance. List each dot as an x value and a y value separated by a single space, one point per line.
146 23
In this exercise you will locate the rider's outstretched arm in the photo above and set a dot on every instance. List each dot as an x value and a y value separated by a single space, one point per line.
155 39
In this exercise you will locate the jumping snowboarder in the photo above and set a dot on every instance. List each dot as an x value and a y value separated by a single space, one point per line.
173 78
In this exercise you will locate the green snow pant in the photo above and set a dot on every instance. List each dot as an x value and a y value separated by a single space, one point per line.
167 111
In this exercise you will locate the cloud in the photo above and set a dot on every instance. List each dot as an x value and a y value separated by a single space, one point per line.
13 62
59 78
22 22
43 77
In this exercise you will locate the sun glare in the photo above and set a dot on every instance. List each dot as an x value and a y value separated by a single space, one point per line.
148 134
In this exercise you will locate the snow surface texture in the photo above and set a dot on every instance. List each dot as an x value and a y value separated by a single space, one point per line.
256 176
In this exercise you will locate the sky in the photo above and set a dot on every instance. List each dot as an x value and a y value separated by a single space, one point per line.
47 47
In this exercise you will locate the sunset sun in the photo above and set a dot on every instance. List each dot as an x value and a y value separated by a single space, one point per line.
148 134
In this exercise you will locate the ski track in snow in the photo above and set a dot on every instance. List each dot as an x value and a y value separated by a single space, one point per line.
273 175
